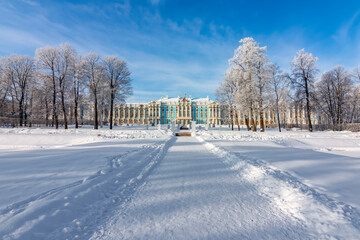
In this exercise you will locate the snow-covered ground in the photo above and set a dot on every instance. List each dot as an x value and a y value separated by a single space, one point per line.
36 160
327 161
133 183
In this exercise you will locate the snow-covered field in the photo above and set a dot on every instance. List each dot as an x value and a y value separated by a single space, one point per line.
326 161
133 183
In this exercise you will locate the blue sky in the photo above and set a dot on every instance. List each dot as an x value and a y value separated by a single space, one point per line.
179 46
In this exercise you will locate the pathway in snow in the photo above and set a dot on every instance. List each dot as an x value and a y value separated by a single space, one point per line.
194 195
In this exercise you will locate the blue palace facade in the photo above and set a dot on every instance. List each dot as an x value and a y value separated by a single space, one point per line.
183 110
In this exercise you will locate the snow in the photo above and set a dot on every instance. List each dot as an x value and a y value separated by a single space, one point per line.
326 161
177 99
133 183
36 160
187 199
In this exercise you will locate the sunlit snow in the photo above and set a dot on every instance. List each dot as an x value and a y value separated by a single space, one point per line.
133 183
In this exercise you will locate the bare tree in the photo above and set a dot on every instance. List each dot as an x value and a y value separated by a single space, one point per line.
354 106
118 79
342 84
19 70
94 74
303 76
5 86
355 96
33 97
332 94
225 94
47 58
262 80
65 65
103 101
79 78
277 83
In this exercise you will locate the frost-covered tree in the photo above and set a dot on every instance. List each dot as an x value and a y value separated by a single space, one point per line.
356 74
277 83
262 83
118 80
353 104
19 71
5 87
94 71
304 71
251 69
225 94
333 90
47 58
78 85
103 101
33 101
64 67
325 97
342 86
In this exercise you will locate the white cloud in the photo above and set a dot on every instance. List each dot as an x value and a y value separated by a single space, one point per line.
342 33
32 3
166 58
21 37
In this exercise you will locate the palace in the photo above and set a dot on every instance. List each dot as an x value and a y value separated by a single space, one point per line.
201 110
165 110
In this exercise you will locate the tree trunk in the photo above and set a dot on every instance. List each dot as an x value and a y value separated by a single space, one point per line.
232 119
111 108
296 115
76 115
237 120
253 123
262 125
81 115
54 116
96 123
46 112
247 123
76 99
308 105
64 109
277 111
21 108
30 111
278 120
102 111
21 113
12 111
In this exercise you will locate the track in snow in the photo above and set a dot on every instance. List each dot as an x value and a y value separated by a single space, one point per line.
193 194
184 188
76 209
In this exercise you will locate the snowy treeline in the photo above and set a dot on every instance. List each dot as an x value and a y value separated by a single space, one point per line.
51 87
253 84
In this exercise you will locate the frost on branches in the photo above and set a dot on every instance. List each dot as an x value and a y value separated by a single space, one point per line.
303 76
249 76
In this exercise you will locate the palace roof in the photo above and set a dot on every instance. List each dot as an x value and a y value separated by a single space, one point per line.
175 100
188 99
